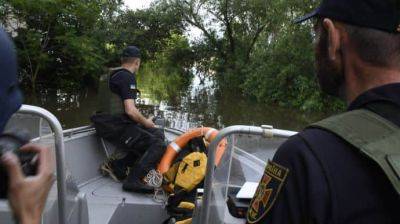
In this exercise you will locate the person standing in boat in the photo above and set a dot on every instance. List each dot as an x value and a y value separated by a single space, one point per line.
344 169
140 138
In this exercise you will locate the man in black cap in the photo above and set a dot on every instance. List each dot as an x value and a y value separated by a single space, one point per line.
123 83
140 137
345 169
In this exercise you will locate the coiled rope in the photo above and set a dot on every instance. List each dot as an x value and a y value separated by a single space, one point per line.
154 179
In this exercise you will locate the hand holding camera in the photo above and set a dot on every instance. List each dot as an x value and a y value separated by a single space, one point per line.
27 194
29 177
12 141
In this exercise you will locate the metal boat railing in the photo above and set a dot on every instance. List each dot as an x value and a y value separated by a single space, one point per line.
264 131
59 152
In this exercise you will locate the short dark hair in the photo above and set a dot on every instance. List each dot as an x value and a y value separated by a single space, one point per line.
376 47
128 60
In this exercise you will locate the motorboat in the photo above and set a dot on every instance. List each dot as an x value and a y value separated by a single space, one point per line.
81 195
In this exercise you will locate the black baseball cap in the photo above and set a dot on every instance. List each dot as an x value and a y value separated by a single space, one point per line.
378 14
131 52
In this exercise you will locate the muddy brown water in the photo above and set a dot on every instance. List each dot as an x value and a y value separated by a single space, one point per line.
197 105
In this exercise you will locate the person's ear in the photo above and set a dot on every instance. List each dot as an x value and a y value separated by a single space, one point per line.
333 38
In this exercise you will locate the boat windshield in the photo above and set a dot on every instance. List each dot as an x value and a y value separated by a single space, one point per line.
244 161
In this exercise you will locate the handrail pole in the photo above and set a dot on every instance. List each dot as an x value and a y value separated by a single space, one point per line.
59 152
238 129
40 128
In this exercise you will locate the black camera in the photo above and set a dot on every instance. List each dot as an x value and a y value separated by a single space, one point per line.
12 142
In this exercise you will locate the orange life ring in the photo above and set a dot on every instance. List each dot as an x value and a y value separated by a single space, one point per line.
176 146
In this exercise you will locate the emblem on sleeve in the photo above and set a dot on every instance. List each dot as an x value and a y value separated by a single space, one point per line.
132 87
268 190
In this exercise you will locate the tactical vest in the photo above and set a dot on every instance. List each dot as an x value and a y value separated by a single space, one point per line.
109 102
375 137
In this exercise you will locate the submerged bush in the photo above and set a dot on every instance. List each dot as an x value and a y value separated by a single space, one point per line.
169 73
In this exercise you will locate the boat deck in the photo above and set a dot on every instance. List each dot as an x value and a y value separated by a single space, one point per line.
107 203
104 198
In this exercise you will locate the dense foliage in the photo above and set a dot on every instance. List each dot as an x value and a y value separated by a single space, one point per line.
282 68
168 75
247 46
69 44
253 46
56 39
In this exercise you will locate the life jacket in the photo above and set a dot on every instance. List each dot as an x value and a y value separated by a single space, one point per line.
109 102
110 120
375 137
182 181
190 171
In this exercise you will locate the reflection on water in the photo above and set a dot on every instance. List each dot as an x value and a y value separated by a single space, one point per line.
195 105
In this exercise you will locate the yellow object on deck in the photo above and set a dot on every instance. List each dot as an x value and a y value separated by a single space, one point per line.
186 221
186 205
191 171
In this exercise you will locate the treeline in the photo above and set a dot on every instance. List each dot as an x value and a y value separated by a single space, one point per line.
70 43
250 46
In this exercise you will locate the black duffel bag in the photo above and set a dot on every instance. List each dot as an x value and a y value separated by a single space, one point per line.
111 127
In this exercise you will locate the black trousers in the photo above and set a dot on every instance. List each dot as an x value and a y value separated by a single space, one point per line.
148 144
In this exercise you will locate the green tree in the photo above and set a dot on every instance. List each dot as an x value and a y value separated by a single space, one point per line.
166 54
254 47
231 29
168 75
282 68
56 39
149 29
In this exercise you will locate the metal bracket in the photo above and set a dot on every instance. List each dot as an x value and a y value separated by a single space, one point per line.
105 147
267 131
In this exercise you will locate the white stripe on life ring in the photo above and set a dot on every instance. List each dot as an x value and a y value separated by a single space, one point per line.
209 132
175 147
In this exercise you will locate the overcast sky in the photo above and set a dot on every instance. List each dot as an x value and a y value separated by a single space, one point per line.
138 4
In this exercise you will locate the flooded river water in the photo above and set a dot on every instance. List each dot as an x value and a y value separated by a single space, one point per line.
195 105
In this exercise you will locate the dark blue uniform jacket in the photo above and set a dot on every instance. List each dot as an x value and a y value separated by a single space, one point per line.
330 182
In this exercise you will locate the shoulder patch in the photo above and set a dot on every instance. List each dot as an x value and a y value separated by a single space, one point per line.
132 86
268 190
